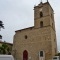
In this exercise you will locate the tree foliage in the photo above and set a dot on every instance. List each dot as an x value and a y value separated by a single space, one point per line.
5 49
1 25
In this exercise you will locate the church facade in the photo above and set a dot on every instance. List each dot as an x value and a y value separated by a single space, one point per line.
37 42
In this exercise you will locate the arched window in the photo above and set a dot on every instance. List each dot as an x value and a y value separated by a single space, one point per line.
41 53
41 24
25 55
41 14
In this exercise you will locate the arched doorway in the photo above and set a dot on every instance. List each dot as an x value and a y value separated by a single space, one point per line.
25 55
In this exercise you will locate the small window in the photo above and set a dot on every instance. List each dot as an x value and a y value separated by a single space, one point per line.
41 24
53 25
41 14
25 36
51 15
41 53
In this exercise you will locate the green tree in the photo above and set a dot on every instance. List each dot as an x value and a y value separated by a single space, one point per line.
1 25
5 49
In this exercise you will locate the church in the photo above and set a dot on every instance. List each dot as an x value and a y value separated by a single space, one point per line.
37 42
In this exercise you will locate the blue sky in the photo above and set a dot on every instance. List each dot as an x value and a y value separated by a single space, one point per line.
19 14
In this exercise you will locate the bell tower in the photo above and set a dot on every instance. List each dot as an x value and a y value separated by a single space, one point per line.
43 15
44 20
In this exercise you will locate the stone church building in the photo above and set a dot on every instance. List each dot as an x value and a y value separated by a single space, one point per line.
37 42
